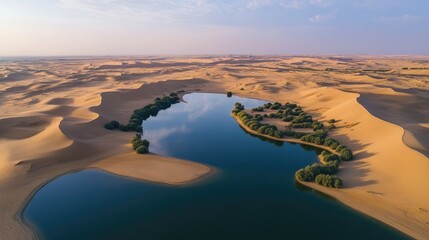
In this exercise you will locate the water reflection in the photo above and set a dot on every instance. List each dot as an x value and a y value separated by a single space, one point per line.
255 197
157 136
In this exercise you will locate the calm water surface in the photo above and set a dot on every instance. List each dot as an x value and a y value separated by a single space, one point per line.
253 195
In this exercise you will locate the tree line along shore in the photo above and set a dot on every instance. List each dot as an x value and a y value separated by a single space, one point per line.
140 145
322 173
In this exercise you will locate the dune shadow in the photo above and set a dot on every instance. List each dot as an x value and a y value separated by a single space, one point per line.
356 171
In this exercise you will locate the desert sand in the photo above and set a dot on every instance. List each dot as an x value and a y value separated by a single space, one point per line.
52 113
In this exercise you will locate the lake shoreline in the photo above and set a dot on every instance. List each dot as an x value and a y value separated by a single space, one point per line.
283 139
155 167
367 202
378 181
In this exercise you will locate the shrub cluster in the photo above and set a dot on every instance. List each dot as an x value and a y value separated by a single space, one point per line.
141 146
254 122
321 174
258 109
331 181
137 118
294 134
309 172
149 110
315 125
329 157
290 112
238 107
139 115
302 118
332 143
319 138
112 125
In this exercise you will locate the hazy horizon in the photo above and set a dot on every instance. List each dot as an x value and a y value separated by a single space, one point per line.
91 28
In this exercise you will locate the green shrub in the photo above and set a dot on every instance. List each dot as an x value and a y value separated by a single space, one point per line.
302 125
298 135
318 137
316 126
332 143
331 121
331 181
238 107
331 126
288 118
330 157
258 109
329 167
346 154
123 128
302 118
109 126
115 124
140 145
275 107
339 148
268 105
142 150
145 143
290 105
304 174
137 141
229 94
112 125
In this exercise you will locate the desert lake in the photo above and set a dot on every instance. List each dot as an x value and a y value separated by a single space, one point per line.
253 194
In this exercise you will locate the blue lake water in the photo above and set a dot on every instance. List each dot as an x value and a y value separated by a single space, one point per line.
252 196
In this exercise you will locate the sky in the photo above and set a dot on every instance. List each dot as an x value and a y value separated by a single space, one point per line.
194 27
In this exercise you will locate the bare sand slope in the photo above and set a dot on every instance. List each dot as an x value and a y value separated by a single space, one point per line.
388 178
52 115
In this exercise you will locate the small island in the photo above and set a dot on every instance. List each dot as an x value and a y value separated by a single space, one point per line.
290 123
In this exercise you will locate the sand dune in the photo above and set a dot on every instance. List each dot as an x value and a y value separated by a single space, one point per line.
52 114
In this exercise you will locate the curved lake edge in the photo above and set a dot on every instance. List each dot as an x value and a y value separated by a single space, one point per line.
20 216
283 139
331 192
28 230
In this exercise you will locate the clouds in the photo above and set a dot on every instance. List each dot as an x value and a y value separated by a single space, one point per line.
144 9
174 10
99 27
319 18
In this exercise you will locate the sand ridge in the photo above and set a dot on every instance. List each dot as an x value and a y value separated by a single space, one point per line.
57 110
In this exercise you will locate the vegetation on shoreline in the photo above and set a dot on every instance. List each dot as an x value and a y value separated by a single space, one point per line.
321 173
142 114
140 145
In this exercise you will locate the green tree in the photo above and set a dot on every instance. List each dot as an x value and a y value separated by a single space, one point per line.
142 150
